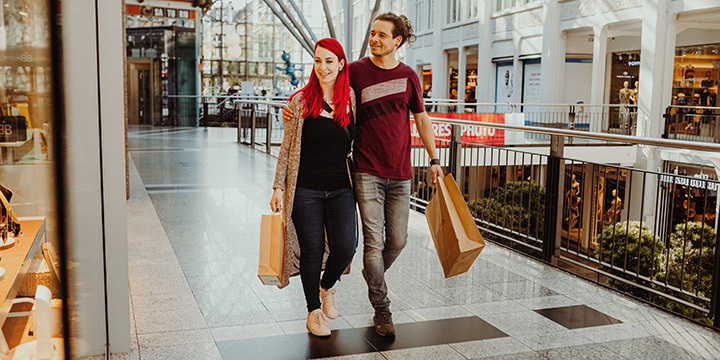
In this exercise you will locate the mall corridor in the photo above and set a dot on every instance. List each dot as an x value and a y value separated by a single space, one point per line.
196 197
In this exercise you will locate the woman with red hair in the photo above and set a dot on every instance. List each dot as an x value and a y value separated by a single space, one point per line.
313 181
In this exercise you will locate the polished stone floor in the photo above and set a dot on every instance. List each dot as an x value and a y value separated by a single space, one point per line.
196 196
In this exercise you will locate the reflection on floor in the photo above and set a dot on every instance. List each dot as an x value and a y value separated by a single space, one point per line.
193 223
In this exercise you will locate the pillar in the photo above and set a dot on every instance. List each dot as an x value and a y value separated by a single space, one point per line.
597 93
462 77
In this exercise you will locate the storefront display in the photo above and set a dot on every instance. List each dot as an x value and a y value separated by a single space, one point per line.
470 85
695 75
624 84
689 200
504 85
27 195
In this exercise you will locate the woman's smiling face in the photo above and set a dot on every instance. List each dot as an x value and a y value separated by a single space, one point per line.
326 65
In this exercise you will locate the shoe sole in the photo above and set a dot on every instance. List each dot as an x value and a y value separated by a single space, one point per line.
385 334
318 335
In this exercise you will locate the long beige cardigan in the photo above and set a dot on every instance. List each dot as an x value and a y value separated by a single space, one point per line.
286 179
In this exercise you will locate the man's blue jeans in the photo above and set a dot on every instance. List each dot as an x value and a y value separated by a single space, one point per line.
384 209
315 213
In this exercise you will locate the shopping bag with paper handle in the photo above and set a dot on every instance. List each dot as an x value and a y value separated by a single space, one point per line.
272 249
455 234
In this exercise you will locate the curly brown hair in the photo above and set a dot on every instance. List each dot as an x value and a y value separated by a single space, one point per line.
401 27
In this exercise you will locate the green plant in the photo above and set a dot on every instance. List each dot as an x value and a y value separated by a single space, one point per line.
517 206
688 265
689 261
629 245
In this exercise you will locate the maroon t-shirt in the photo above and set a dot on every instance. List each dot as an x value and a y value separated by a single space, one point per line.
385 99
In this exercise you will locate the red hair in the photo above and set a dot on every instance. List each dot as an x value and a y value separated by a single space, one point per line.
313 95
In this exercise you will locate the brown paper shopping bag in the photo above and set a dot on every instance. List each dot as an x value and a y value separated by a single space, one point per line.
272 249
457 239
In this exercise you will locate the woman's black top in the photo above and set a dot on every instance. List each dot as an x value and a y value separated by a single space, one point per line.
323 153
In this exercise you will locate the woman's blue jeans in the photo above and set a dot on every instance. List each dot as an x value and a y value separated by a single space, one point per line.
315 213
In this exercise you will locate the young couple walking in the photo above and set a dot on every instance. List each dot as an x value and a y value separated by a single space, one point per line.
367 101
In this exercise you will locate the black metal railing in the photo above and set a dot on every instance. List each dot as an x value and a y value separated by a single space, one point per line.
692 123
260 123
649 234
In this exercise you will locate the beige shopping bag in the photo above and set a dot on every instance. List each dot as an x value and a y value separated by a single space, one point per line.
457 239
272 249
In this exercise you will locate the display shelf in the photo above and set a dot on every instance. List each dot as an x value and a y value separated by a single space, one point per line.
16 260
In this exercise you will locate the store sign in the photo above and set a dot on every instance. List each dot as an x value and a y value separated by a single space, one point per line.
160 12
698 181
475 134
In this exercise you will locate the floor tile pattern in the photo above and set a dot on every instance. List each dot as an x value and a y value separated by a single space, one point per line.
193 227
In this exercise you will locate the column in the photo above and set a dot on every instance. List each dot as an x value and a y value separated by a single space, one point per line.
95 176
462 77
440 61
656 63
550 44
651 105
486 75
597 93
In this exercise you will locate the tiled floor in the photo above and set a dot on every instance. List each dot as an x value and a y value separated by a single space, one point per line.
194 220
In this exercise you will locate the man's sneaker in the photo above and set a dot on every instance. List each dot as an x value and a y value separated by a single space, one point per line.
317 323
383 324
329 306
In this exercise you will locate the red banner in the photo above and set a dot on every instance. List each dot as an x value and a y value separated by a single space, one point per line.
481 135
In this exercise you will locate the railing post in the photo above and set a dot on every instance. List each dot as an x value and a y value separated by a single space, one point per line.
715 294
238 111
205 117
252 126
455 146
554 183
268 142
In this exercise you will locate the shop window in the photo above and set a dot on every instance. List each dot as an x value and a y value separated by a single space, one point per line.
431 14
695 75
420 15
30 242
624 85
692 198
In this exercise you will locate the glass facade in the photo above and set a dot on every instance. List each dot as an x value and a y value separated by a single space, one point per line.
31 245
695 75
244 41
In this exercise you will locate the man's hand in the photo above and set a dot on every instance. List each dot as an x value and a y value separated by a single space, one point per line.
437 172
287 113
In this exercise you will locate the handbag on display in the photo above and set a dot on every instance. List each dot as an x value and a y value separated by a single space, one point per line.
457 239
7 215
272 249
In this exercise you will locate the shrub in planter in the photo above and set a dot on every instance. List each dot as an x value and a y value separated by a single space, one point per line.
688 265
518 206
630 245
690 257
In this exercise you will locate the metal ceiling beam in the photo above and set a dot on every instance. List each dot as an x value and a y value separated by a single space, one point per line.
295 23
367 33
290 28
348 10
328 18
302 19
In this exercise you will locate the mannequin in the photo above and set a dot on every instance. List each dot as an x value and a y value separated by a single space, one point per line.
573 199
634 108
634 93
624 96
613 214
